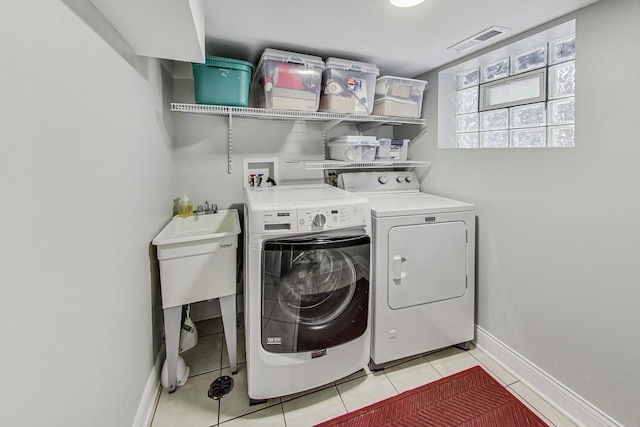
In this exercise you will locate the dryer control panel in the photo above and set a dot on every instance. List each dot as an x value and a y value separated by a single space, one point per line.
391 181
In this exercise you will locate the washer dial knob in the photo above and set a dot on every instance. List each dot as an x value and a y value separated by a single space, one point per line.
400 179
319 220
382 179
409 178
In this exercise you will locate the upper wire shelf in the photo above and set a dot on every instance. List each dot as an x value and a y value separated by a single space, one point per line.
261 113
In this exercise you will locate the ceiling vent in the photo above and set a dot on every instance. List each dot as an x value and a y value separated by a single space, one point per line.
481 37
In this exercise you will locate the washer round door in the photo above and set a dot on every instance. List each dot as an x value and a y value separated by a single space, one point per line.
318 286
314 292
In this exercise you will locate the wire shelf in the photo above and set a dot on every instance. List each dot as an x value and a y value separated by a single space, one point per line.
336 164
261 113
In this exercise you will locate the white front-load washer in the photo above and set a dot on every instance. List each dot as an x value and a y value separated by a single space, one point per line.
307 287
424 266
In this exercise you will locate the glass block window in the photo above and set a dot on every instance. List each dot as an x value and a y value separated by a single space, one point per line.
520 117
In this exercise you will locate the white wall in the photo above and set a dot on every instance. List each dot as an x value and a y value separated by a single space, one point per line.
86 177
558 230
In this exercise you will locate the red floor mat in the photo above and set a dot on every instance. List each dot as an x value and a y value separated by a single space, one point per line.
469 398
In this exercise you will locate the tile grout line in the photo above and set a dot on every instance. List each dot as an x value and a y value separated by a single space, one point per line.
340 396
284 417
537 411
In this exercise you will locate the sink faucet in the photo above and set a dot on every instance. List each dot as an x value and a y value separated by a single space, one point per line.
207 209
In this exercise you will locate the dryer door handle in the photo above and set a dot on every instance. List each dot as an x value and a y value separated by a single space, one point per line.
396 267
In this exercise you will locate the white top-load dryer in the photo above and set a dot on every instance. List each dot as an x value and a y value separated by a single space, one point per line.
307 287
423 266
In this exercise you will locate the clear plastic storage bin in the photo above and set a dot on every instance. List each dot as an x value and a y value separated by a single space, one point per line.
348 86
353 148
287 81
398 96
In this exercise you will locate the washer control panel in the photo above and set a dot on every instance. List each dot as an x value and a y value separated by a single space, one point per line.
315 219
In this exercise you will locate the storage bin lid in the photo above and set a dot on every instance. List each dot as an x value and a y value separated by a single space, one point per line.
219 61
291 57
383 99
354 140
403 80
390 84
345 64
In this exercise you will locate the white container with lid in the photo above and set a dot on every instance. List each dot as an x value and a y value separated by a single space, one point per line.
398 150
383 151
287 81
348 86
353 148
399 96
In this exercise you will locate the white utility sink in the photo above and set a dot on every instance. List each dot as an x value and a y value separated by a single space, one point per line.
199 227
197 258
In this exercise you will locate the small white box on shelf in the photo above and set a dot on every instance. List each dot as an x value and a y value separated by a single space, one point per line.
398 150
355 148
398 96
382 152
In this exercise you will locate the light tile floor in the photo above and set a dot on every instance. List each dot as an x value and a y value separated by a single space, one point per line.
190 406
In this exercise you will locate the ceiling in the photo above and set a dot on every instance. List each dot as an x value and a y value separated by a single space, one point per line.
404 42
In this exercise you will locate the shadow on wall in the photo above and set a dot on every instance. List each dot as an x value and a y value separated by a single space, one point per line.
163 116
94 19
157 315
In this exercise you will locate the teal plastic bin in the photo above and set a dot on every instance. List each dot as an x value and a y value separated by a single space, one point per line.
222 81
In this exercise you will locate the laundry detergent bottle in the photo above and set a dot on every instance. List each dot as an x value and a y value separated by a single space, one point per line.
185 208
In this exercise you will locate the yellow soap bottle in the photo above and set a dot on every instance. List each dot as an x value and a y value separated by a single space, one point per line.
185 208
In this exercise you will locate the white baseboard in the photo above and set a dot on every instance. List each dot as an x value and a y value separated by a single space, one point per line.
554 392
144 416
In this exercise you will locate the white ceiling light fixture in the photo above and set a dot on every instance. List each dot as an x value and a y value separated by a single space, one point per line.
406 3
